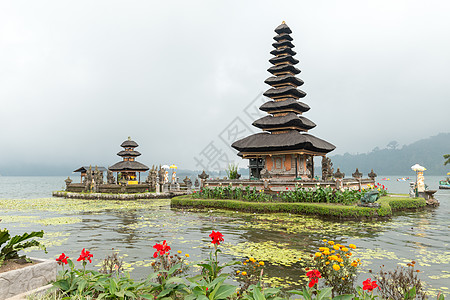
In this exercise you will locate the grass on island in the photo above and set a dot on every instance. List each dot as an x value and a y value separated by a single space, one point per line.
388 204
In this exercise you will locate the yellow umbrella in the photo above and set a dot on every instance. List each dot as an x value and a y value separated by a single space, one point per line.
173 167
448 173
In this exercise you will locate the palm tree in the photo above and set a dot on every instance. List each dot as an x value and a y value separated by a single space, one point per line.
447 159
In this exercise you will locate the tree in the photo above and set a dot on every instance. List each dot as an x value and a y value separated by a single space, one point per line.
447 159
392 145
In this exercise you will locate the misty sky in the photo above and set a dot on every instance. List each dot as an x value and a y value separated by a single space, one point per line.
78 77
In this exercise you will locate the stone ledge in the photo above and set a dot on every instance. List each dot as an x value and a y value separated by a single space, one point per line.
20 281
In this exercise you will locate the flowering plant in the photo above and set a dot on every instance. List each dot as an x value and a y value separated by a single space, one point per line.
161 249
333 261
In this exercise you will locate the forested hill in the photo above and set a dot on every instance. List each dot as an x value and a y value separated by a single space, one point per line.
398 161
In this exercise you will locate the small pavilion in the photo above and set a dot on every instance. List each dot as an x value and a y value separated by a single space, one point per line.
284 149
128 167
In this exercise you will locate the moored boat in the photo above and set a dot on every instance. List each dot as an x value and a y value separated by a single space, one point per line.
444 184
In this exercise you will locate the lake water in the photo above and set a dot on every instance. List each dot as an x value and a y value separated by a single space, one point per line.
132 228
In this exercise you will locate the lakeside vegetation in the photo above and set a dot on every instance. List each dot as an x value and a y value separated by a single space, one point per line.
388 205
329 273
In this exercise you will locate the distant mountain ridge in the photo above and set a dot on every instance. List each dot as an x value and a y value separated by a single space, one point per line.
426 152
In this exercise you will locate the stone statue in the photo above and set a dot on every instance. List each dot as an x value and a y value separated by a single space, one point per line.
196 183
327 168
357 174
68 181
188 182
88 180
98 176
161 174
372 175
110 177
370 197
339 174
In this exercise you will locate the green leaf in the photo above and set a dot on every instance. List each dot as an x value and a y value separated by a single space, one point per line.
344 297
257 294
224 291
325 293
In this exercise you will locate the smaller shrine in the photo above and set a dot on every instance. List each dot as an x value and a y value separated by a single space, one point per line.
128 168
85 169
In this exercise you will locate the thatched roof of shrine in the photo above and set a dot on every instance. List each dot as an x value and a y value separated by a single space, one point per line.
129 166
290 120
291 140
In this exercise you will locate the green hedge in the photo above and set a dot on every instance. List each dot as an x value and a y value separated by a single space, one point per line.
388 205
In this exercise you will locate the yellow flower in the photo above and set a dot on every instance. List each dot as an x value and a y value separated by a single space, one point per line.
340 260
336 247
332 251
324 249
327 263
342 265
237 272
345 249
331 243
318 254
343 278
336 267
352 246
187 255
326 252
245 264
179 251
324 240
261 263
244 273
252 259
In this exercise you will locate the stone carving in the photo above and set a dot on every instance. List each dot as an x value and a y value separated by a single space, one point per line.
98 176
110 177
161 174
357 174
370 197
309 167
188 182
88 180
196 183
152 178
327 169
338 174
203 176
372 175
68 181
265 174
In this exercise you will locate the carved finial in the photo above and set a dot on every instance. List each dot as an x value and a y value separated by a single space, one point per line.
283 22
129 138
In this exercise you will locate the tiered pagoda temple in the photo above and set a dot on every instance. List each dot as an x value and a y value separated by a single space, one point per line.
129 166
285 149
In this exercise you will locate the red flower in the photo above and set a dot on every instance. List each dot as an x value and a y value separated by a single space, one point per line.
369 285
161 249
287 188
216 237
85 255
62 259
314 276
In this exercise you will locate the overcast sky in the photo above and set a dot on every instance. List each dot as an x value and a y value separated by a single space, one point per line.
78 77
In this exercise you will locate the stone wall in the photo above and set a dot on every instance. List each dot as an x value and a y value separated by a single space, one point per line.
278 185
31 277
